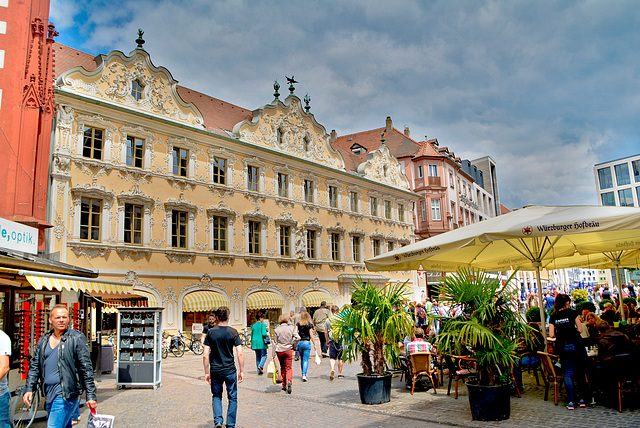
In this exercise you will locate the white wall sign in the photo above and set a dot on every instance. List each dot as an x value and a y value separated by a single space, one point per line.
18 237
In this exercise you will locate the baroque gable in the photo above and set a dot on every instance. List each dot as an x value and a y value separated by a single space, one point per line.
381 166
113 82
287 128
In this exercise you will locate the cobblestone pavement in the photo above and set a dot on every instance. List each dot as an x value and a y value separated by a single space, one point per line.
184 400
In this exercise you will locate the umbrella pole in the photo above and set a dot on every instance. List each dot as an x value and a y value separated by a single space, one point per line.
540 302
616 265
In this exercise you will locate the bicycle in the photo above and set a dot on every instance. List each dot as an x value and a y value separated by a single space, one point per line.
21 414
175 346
245 337
165 347
194 344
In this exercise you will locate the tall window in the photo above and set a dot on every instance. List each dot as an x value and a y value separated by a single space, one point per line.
179 229
451 179
376 247
622 174
135 150
373 202
311 244
433 170
90 213
635 165
333 197
279 135
308 191
387 210
93 143
389 246
220 234
355 244
285 241
180 162
401 212
423 209
283 186
626 197
420 173
604 177
305 144
335 247
435 209
353 197
252 178
136 90
254 237
133 224
219 171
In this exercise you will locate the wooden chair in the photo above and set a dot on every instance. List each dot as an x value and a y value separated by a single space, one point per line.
532 365
623 370
549 375
421 366
456 372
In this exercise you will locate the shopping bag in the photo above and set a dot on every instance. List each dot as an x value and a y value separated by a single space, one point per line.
99 421
318 359
271 367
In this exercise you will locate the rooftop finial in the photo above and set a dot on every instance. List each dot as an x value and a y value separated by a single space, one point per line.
382 138
140 40
307 100
276 88
291 81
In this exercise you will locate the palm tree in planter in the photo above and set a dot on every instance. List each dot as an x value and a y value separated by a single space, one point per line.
487 329
370 329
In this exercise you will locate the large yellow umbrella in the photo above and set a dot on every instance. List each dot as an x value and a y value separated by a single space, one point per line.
532 237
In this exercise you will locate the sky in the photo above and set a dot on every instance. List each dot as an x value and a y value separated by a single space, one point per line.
547 89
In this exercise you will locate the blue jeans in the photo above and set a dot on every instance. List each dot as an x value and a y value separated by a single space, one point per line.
572 365
304 348
60 412
5 422
231 381
261 357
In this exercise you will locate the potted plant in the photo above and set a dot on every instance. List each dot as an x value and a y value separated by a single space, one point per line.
487 329
370 329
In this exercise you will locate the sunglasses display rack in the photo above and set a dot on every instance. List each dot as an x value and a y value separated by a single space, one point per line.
139 344
40 321
24 315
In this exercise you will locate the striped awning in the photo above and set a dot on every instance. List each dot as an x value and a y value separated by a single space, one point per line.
312 299
264 300
153 301
62 282
204 300
109 308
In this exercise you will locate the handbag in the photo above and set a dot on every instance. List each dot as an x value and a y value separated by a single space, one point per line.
296 338
267 340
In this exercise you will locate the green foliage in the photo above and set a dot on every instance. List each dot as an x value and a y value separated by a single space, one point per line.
488 327
579 295
603 301
533 314
375 321
585 305
629 300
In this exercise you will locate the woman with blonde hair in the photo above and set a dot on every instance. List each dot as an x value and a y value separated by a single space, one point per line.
305 330
283 340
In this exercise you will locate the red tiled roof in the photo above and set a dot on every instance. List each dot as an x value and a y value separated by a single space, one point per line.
399 145
504 210
219 116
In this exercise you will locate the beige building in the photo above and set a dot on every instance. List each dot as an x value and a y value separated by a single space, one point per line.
200 203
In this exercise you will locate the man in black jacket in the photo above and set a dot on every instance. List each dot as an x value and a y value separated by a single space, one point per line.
62 365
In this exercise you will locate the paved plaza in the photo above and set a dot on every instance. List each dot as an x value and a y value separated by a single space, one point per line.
184 400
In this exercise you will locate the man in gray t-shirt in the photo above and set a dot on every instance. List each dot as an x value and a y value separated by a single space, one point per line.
5 395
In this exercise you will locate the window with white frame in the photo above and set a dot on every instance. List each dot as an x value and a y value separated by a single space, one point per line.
180 162
423 210
93 143
376 247
134 155
133 217
90 219
252 178
333 196
435 210
353 198
283 185
390 246
179 228
335 247
355 248
311 244
387 210
373 206
451 179
420 173
254 236
219 170
219 240
433 170
401 212
308 191
285 241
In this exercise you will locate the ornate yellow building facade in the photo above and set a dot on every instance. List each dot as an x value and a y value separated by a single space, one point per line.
149 188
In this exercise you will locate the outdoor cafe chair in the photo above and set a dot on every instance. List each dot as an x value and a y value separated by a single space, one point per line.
550 375
456 372
623 370
421 366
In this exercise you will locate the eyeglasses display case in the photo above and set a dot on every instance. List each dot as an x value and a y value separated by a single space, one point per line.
139 361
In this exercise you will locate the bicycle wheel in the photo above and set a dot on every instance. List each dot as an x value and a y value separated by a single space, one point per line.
178 351
23 415
165 352
197 347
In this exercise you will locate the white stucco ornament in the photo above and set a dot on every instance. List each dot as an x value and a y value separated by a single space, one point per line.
381 166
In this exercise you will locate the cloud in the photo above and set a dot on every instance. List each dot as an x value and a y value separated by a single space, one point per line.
547 89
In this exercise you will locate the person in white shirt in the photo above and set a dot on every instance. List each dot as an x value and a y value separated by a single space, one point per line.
5 395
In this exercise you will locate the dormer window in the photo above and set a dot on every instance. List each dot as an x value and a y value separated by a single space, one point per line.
357 149
136 90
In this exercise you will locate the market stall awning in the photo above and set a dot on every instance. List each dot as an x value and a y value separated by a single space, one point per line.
264 300
40 280
204 300
312 299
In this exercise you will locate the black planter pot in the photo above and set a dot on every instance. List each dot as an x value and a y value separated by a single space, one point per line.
374 389
489 403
